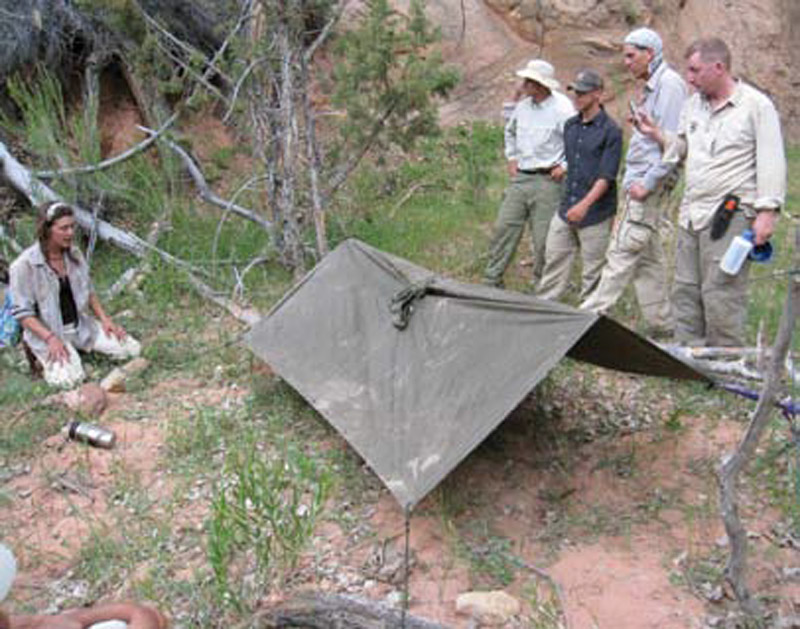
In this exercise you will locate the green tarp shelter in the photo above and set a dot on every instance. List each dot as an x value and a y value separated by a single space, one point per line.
415 370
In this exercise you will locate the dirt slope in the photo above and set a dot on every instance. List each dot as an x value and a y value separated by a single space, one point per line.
499 36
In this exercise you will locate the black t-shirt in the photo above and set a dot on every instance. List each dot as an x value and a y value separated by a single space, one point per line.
69 311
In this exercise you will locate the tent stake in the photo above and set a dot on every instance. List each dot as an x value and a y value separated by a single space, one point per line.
406 568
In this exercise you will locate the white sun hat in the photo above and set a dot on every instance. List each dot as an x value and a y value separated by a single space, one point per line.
540 71
8 570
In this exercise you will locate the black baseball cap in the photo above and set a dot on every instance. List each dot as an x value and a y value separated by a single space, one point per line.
586 81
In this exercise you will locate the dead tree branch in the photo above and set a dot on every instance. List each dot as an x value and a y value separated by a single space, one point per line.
13 244
20 178
325 32
733 464
191 51
245 315
318 611
237 88
314 161
113 161
209 195
341 175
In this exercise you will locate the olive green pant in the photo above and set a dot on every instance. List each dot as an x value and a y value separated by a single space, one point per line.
563 242
710 306
528 198
636 255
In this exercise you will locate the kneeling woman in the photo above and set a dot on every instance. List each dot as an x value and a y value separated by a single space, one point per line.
55 303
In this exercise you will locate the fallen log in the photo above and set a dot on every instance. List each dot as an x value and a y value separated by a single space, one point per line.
330 611
20 178
736 362
37 192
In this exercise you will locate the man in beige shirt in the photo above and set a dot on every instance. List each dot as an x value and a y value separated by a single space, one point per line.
729 138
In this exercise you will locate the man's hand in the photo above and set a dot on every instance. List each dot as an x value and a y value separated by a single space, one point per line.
512 167
646 126
638 192
577 213
557 172
764 226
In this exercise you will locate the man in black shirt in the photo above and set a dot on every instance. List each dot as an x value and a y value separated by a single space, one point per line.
593 146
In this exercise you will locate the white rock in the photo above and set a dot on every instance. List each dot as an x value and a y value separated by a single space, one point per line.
494 608
114 381
135 366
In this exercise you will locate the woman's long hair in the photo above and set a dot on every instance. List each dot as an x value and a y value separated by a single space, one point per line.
49 213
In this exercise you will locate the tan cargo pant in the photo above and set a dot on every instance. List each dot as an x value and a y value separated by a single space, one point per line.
636 254
531 198
710 307
563 242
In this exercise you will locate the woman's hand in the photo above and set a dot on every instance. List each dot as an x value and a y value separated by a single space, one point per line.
56 350
112 329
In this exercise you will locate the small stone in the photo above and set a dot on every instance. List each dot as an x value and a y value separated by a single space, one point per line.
89 399
394 598
114 382
791 573
137 365
494 608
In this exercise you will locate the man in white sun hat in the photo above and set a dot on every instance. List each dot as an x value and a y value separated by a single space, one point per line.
534 148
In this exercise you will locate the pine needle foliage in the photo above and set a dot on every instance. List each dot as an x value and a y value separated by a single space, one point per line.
388 75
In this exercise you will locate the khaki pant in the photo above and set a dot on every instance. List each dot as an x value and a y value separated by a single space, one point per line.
710 307
69 373
636 254
563 242
528 198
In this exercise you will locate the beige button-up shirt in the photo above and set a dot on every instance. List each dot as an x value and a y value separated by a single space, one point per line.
534 135
35 293
734 149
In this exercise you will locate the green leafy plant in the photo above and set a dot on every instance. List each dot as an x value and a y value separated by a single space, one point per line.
263 512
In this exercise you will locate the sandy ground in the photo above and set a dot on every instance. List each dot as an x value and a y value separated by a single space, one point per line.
613 521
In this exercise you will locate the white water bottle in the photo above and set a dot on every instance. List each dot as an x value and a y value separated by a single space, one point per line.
737 253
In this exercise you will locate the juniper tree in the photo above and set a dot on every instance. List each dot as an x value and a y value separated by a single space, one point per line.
385 81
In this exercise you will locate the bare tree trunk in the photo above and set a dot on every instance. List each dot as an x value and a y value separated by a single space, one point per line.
288 138
314 163
732 464
91 99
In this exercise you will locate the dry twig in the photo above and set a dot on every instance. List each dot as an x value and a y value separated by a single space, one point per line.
733 464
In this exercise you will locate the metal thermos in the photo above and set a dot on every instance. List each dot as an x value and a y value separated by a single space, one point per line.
91 434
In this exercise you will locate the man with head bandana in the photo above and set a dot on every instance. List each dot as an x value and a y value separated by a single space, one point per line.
635 252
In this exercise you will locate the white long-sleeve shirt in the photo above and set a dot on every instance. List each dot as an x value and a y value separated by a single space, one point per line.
534 135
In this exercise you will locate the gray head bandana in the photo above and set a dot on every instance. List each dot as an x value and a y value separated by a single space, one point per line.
648 38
